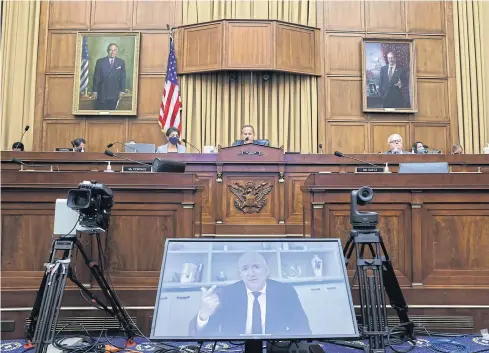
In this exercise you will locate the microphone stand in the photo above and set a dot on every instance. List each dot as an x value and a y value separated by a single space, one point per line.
185 141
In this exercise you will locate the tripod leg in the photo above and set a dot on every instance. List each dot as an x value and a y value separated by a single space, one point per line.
56 273
117 308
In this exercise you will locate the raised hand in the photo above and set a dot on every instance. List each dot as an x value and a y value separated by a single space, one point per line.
208 303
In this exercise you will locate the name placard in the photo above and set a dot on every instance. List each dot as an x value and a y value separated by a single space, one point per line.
64 149
369 169
139 168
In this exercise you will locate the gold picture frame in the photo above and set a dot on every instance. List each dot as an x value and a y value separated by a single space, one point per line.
106 73
389 82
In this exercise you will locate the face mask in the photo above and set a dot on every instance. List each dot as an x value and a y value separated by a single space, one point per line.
420 150
173 140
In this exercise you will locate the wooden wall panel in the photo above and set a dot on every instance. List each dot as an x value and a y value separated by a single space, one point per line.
59 97
380 132
208 39
294 201
344 53
249 45
145 131
61 53
347 138
345 99
150 94
385 16
154 53
111 14
431 57
344 15
425 16
294 39
60 133
458 241
435 136
154 14
102 132
433 100
69 14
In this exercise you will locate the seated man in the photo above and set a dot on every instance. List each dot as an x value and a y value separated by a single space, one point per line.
18 146
248 135
395 145
79 144
253 305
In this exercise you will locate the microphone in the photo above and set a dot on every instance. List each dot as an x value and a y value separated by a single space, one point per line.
185 141
321 147
18 161
22 163
123 144
25 130
112 154
341 155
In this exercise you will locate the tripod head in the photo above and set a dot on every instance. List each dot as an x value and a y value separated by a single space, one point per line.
362 221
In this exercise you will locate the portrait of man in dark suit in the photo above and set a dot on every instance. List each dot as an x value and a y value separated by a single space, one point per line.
106 73
389 76
254 305
109 80
392 79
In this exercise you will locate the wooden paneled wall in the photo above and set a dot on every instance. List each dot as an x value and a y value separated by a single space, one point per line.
55 126
342 124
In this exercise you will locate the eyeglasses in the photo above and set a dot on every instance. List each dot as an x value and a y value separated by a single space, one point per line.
396 141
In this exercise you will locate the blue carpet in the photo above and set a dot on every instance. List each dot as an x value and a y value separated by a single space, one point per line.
424 344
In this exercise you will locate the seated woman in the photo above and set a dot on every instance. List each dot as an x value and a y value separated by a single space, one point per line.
457 149
173 145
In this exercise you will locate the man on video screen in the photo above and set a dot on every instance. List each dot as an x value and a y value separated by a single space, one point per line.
253 306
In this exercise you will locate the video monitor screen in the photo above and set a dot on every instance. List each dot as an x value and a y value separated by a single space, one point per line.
243 289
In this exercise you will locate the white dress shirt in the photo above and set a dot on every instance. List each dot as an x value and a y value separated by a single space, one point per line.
262 300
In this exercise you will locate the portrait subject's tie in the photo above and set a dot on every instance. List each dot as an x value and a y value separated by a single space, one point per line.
390 72
256 319
111 62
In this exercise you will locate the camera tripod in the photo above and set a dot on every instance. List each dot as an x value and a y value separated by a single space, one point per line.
44 315
374 275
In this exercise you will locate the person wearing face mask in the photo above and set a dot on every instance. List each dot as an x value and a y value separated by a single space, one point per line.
419 148
173 145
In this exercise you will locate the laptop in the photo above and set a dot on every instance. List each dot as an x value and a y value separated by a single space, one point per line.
140 147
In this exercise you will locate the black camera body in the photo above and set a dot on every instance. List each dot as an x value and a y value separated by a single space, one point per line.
362 220
93 202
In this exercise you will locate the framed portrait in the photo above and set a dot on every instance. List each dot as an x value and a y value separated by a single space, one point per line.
106 73
389 76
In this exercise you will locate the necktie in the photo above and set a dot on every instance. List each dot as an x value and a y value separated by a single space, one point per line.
111 61
390 72
256 318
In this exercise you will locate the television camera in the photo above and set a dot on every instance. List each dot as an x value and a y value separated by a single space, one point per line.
93 201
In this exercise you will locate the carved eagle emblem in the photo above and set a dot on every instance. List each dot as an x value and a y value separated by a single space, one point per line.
251 197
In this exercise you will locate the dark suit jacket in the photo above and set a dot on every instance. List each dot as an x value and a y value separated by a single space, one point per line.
284 312
265 143
109 81
391 94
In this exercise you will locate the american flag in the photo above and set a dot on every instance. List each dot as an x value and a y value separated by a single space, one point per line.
84 66
170 104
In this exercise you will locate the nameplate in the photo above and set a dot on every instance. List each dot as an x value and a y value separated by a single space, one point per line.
64 149
369 169
139 169
250 153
